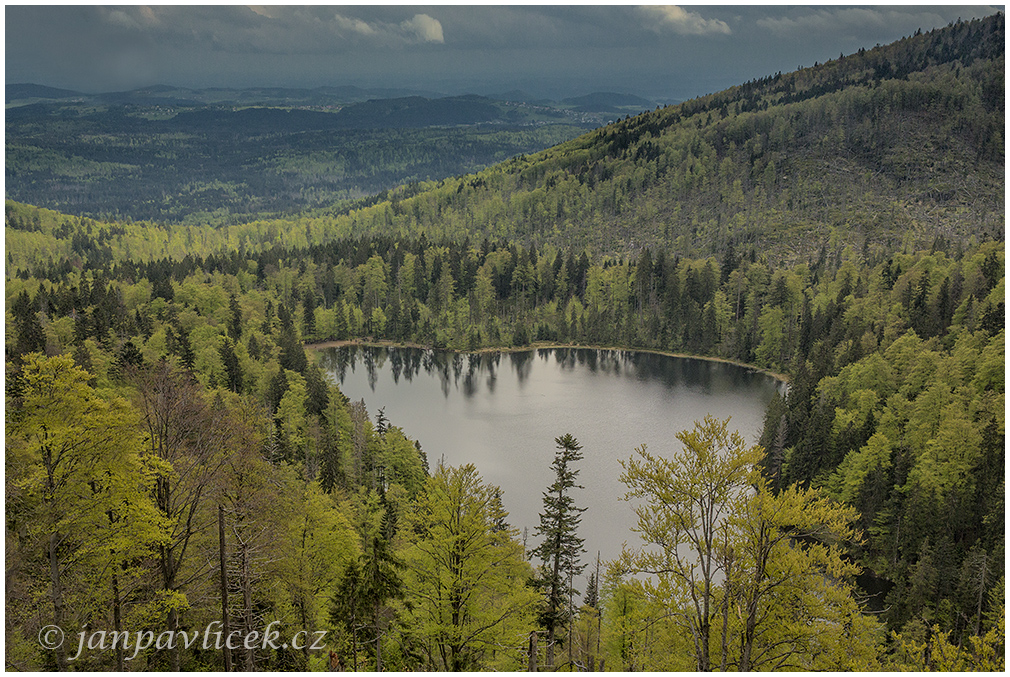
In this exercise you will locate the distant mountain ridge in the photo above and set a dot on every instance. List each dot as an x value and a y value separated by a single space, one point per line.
28 90
160 93
325 96
407 112
520 95
152 154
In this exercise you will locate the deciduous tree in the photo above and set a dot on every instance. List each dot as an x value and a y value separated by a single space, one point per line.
466 575
756 580
78 490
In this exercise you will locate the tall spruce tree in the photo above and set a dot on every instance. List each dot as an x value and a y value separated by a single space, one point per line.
349 606
380 577
235 320
232 377
561 547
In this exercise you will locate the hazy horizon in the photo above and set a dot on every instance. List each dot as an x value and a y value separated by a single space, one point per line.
661 53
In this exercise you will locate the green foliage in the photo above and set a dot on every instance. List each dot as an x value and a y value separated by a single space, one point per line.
752 579
892 423
688 500
981 653
472 607
380 579
78 497
843 154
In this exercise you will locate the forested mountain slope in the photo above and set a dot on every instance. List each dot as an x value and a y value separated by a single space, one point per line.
901 143
898 145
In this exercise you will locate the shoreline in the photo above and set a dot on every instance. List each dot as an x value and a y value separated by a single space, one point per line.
386 343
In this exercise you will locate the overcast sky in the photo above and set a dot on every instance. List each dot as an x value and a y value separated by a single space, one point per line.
659 52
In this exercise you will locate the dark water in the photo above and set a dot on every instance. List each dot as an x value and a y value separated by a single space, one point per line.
501 412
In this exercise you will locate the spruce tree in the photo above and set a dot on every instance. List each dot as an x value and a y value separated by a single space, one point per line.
349 606
232 378
592 596
317 390
330 471
235 321
292 353
380 580
561 547
31 335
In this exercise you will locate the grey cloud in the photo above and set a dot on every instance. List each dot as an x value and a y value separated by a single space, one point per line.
579 28
678 20
353 25
424 27
823 20
859 20
278 30
139 20
503 27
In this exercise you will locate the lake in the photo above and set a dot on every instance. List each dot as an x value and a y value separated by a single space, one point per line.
502 411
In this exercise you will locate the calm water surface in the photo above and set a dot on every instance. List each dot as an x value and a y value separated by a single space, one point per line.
501 412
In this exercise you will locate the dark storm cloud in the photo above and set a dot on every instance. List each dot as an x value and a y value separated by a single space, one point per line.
658 51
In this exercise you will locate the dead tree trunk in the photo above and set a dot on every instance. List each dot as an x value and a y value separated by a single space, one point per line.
57 595
533 651
225 625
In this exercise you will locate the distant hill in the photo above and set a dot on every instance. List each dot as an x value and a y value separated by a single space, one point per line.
892 146
32 91
259 96
608 102
520 95
251 120
401 113
326 96
351 93
417 111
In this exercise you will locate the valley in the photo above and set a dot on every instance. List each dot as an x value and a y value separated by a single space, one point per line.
223 156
